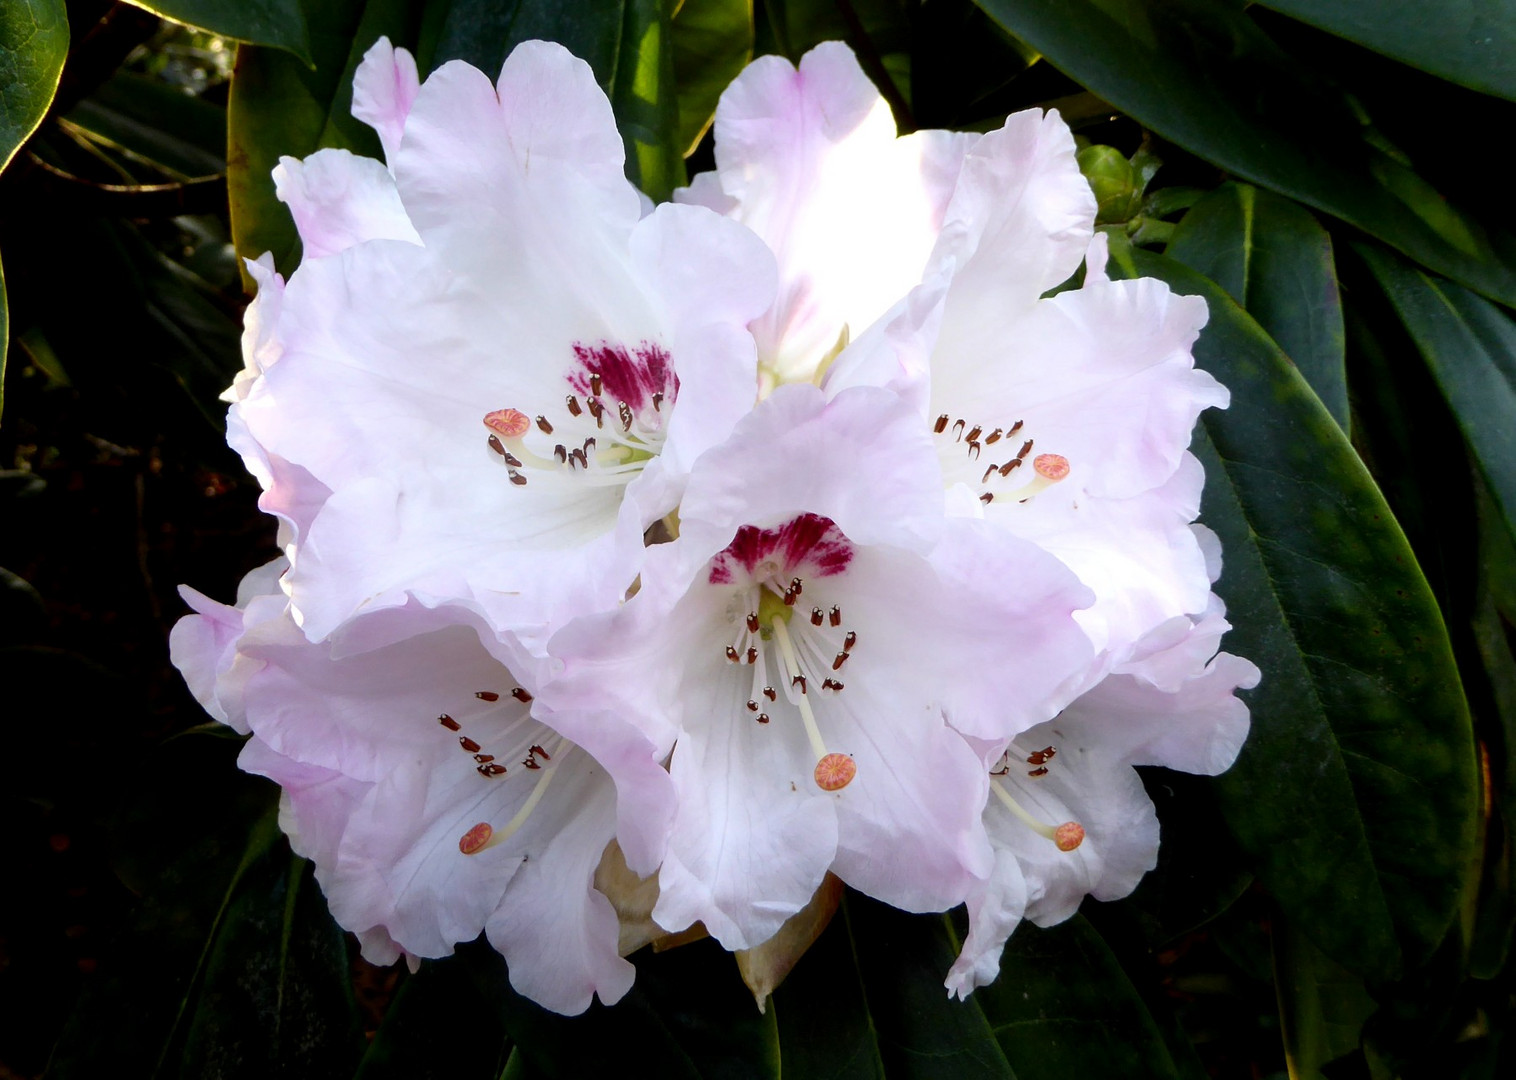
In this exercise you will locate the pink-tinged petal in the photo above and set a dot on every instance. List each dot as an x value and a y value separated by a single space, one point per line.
260 322
995 910
315 803
204 646
384 88
1021 215
862 460
521 180
339 199
808 158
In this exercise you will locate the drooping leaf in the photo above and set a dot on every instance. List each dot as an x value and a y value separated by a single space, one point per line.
1355 792
280 106
1470 346
33 43
1064 1007
279 23
1472 42
438 1027
1205 76
902 960
1323 1006
713 41
629 45
1273 258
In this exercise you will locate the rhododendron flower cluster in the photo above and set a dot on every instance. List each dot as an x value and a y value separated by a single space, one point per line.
826 521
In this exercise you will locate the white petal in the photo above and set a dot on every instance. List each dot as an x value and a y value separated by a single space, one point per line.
384 88
995 910
339 199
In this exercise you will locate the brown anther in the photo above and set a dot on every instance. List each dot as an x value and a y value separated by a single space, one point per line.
789 597
624 411
448 722
838 661
1014 463
468 744
752 654
973 450
595 385
475 839
484 758
987 498
835 772
849 641
1041 771
762 718
799 680
816 616
579 456
1026 448
657 401
521 695
512 460
941 425
752 706
531 763
492 769
985 479
795 586
834 616
958 426
517 479
547 429
992 438
486 695
1014 428
752 622
573 405
973 433
732 654
561 453
768 692
1041 757
543 754
830 684
496 445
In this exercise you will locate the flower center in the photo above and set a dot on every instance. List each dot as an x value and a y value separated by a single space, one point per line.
1002 478
610 424
505 742
1065 837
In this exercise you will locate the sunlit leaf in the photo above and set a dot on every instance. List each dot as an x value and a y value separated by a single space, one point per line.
1472 42
280 23
178 132
713 41
1355 792
1273 258
33 43
1205 76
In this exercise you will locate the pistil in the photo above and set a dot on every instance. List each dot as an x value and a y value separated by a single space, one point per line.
1066 837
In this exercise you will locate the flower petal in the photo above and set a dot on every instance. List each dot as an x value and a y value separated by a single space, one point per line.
384 88
339 199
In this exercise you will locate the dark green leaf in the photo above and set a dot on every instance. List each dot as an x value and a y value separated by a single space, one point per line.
688 1015
921 1032
627 43
279 23
181 133
1276 261
1322 1005
1205 76
5 337
1470 347
279 107
33 43
1472 42
713 41
1063 1007
1356 791
824 1024
879 32
438 1027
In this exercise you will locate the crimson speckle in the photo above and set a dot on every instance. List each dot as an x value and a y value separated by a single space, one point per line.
809 543
630 375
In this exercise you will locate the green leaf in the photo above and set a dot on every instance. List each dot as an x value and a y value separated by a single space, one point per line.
279 23
1273 258
5 337
1470 346
279 106
627 43
438 1027
713 41
902 960
33 43
182 134
1063 1007
688 1015
1205 76
1322 1006
1471 42
1356 791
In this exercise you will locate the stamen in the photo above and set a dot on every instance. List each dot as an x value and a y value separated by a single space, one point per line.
849 641
521 695
941 425
475 840
486 695
507 423
448 722
816 616
833 771
1066 837
482 836
468 744
1050 469
547 429
752 622
490 771
835 615
732 655
573 406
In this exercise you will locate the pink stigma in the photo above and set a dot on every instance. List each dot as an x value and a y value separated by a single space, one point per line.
474 840
1067 836
836 771
510 423
1055 467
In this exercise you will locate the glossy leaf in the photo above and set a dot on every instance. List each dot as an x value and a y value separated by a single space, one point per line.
1323 1006
627 43
33 43
1272 257
1470 346
438 1027
713 41
280 23
182 134
1472 42
279 106
1064 1007
1355 792
1205 76
902 960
